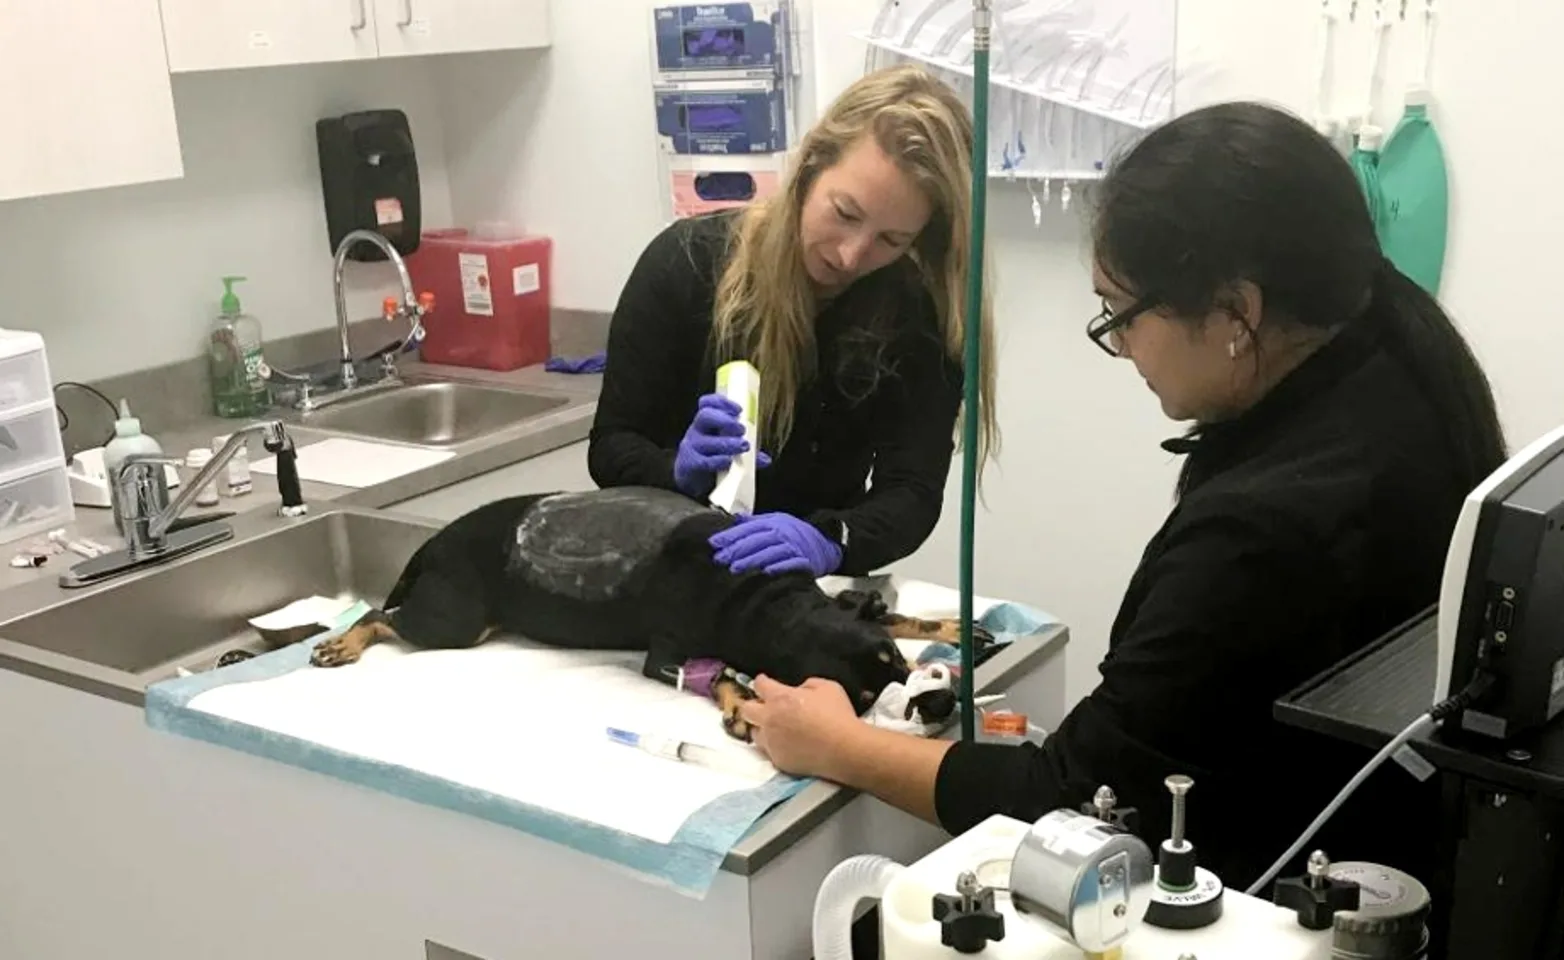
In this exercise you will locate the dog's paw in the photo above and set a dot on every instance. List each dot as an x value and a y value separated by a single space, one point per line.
731 695
234 656
337 652
950 632
738 728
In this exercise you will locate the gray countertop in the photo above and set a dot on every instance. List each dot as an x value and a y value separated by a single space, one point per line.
26 591
560 427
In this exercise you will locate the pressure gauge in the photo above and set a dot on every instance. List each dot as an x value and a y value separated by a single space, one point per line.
1090 880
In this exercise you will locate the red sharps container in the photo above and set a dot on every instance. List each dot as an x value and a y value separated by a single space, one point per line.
491 298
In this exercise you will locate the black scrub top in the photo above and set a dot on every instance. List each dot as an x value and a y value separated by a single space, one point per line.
889 409
1306 528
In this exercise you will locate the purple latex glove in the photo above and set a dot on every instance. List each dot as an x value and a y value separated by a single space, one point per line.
775 543
715 437
596 363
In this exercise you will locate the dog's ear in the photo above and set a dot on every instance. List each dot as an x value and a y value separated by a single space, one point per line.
934 706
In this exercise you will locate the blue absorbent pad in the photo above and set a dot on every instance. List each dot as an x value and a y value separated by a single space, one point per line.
688 865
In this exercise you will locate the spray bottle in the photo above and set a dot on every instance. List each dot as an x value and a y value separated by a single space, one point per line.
739 381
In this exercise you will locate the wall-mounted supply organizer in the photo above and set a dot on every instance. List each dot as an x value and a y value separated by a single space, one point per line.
726 91
1072 82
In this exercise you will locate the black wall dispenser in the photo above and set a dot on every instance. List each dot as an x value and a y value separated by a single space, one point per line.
369 180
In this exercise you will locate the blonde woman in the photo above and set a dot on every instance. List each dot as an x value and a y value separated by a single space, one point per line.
846 290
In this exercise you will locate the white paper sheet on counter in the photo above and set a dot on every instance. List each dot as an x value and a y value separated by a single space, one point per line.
346 462
512 718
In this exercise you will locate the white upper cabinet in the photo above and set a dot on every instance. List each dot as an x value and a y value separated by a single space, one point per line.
89 102
228 34
225 34
416 27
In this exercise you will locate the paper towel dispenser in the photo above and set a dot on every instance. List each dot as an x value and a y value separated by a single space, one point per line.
369 179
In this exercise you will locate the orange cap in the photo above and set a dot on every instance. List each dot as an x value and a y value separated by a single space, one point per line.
389 307
1004 723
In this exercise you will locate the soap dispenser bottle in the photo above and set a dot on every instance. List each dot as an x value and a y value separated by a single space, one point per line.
234 359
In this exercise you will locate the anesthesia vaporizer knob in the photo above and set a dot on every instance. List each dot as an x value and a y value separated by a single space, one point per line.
1186 896
1318 897
968 920
1105 807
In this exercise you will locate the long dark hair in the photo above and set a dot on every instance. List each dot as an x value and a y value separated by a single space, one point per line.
1244 191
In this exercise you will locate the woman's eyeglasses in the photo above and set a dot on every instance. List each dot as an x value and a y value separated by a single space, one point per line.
1106 329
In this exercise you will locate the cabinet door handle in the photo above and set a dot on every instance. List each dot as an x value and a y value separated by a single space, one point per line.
407 14
361 20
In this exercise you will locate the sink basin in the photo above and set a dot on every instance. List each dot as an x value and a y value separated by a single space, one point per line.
431 413
191 611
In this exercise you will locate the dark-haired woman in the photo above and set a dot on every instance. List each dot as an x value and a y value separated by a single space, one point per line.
1338 420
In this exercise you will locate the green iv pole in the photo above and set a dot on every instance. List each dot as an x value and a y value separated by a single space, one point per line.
982 25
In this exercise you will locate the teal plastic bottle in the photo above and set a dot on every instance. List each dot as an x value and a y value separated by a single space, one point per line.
235 361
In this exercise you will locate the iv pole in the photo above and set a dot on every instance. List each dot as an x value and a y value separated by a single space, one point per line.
982 24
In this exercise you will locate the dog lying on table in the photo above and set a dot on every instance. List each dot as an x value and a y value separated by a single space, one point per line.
630 568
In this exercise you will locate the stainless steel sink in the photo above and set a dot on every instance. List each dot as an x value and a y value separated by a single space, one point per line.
188 613
433 413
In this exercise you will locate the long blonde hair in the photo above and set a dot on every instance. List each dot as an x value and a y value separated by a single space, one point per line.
765 307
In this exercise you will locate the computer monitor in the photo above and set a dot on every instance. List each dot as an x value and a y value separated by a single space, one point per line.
1501 600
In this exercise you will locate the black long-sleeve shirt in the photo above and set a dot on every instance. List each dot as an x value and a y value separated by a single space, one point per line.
1306 528
890 411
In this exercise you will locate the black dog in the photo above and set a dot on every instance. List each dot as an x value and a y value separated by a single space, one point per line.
631 569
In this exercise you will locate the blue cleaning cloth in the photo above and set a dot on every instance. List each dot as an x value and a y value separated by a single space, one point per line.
595 363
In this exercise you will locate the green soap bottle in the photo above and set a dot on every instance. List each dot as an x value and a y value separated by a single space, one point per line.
235 361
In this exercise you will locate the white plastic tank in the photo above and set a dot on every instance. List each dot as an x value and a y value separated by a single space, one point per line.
1249 927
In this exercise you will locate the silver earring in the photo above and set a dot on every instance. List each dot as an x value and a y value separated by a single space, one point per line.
1232 349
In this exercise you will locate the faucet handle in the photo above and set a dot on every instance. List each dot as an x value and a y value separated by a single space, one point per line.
392 308
144 461
141 493
142 480
414 312
413 308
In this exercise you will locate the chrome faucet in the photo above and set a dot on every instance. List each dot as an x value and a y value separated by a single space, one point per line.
147 517
412 308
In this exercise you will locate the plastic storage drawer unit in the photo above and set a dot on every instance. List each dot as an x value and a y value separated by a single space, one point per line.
35 493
